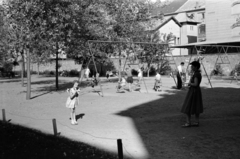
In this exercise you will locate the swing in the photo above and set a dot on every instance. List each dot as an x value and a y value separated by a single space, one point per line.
96 81
158 85
136 86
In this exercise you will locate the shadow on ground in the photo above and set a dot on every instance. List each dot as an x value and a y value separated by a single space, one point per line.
159 125
9 80
63 85
21 142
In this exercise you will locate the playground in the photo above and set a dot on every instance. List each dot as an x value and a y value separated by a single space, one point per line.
148 122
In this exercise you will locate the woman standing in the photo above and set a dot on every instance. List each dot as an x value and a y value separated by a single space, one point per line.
193 102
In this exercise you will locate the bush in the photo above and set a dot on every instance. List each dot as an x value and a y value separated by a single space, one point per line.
217 71
166 70
73 73
7 67
134 72
152 71
47 73
6 70
33 72
52 73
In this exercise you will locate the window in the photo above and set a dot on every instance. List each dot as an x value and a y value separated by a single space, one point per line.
191 27
202 32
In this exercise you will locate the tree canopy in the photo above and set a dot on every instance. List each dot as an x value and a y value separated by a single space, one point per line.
45 26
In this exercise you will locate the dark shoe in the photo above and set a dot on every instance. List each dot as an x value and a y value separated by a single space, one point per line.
196 124
186 125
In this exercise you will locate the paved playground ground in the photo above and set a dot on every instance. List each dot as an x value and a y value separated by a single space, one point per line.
148 122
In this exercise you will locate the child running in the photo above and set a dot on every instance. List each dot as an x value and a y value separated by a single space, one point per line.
73 101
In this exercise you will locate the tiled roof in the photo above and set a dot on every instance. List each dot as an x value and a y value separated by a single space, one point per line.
192 4
172 6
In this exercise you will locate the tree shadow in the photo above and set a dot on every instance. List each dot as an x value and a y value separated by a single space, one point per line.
61 87
159 125
43 82
41 94
22 142
12 80
64 85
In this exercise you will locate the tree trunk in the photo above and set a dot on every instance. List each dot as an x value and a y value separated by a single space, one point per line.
28 97
149 64
119 75
38 68
56 65
101 69
80 74
23 68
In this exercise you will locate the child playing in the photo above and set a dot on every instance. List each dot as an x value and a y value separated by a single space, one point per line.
236 75
140 74
157 83
137 86
121 83
107 75
72 101
193 102
95 80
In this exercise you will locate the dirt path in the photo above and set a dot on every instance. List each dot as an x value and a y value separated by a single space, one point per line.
149 124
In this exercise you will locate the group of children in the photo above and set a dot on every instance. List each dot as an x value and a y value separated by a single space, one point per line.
127 78
192 105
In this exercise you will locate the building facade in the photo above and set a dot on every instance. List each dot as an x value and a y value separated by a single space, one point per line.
223 20
191 17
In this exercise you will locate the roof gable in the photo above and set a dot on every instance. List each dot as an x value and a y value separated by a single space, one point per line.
191 5
168 20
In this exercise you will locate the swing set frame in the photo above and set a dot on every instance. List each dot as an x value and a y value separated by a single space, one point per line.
201 48
118 43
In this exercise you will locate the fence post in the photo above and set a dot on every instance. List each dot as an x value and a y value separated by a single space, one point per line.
120 149
3 115
54 127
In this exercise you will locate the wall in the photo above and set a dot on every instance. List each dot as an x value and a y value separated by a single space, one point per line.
220 17
208 61
65 65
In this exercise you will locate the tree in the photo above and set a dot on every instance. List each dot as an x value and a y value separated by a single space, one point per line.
44 26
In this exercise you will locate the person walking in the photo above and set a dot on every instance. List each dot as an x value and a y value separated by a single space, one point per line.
87 72
193 103
179 75
107 75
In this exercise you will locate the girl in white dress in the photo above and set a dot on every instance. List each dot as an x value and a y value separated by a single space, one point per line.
73 101
140 74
